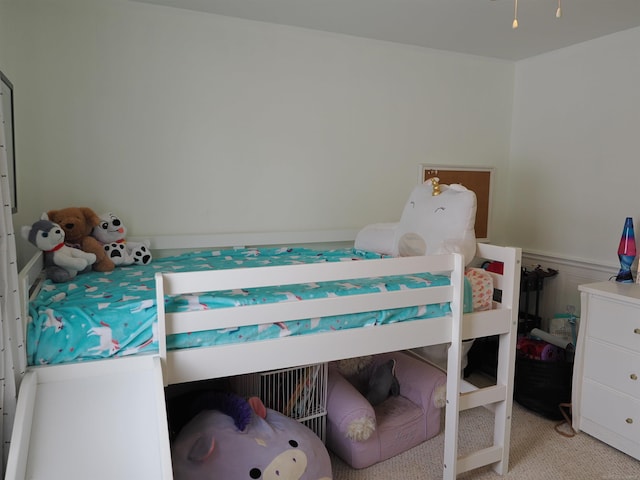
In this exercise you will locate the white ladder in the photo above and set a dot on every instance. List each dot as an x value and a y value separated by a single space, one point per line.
497 398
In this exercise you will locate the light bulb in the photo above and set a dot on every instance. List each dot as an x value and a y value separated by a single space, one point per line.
515 23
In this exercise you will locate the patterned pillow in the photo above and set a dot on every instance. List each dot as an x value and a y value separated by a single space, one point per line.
482 288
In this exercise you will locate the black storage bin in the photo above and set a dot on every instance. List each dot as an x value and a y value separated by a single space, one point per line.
541 386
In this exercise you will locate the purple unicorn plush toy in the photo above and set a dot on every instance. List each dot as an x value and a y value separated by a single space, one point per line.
244 440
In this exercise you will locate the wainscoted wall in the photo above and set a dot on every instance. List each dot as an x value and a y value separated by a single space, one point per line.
561 291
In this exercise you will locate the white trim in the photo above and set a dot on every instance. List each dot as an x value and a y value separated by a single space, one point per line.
577 262
247 239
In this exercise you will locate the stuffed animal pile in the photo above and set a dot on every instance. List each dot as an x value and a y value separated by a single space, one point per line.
78 223
76 239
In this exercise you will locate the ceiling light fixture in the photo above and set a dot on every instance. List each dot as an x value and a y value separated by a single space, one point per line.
514 25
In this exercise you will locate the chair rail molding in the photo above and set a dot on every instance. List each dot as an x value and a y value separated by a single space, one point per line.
560 293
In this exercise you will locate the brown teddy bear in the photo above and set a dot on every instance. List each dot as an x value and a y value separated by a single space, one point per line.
78 223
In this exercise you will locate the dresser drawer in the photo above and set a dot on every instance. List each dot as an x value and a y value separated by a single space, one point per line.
613 410
614 322
613 367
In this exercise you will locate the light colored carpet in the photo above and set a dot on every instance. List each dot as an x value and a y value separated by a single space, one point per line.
538 452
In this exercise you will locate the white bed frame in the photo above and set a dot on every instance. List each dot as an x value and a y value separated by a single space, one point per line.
107 419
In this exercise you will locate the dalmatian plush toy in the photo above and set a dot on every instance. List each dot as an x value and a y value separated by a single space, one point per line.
112 233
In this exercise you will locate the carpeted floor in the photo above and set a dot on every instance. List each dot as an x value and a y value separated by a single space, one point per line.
538 452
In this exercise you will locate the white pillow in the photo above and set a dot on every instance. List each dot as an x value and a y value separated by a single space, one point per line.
445 222
429 225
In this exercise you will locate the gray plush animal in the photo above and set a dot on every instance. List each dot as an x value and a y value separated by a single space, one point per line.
375 381
62 263
382 383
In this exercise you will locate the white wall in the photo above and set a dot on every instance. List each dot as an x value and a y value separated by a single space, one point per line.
195 123
574 162
574 167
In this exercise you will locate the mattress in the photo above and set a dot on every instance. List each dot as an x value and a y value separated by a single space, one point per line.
100 315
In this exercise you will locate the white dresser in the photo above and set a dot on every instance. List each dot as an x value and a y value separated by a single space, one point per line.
606 383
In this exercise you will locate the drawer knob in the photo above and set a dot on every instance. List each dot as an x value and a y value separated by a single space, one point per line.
629 420
636 330
633 376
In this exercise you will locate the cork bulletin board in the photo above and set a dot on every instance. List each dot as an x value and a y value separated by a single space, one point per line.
477 179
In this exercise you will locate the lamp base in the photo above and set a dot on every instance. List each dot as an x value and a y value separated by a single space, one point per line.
624 276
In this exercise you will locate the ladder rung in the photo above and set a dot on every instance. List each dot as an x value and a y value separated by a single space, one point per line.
480 458
486 323
482 396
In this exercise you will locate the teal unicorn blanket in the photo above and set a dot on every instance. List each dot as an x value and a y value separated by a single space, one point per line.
100 315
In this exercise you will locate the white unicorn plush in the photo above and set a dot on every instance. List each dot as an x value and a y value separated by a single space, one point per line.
436 219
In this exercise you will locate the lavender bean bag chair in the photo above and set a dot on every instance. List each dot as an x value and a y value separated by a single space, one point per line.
244 440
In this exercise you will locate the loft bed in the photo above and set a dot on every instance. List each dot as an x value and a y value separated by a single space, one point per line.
100 418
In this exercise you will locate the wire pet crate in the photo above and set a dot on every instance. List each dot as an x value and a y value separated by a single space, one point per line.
299 393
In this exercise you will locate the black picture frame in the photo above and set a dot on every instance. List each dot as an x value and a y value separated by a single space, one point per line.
6 103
